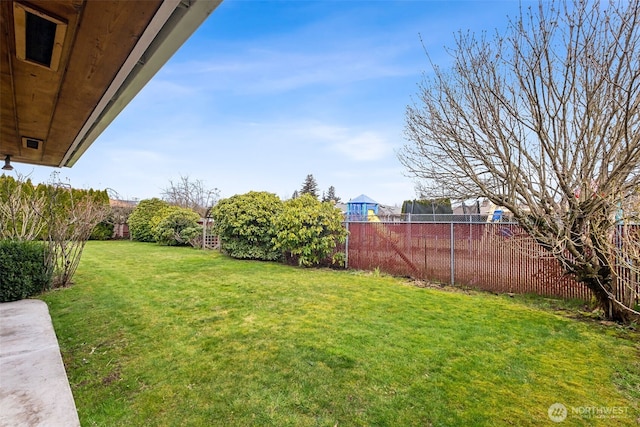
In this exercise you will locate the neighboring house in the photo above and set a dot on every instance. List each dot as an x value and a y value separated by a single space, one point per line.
342 207
482 207
474 206
390 213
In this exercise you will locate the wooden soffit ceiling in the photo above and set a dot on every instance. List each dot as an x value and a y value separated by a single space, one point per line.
68 67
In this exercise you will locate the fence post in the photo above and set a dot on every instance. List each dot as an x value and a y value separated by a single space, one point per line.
453 252
204 233
346 247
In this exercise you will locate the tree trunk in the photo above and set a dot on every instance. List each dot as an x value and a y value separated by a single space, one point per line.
602 288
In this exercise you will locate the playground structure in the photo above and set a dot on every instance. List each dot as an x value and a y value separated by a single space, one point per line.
358 209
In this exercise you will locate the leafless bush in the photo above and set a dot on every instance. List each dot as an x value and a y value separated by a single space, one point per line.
70 218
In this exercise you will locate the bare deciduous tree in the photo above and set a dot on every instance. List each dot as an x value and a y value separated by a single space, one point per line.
545 121
191 194
68 235
62 217
69 218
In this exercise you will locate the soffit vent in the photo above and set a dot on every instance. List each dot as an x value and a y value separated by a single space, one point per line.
39 36
32 143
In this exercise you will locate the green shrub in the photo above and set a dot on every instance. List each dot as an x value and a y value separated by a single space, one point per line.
140 226
176 226
307 231
245 225
102 231
23 270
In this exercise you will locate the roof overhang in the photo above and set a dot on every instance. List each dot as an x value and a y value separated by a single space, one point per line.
69 67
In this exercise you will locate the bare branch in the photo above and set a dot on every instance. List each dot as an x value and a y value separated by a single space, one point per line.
190 194
544 121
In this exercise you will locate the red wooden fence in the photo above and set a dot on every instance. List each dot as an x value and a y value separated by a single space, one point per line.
491 256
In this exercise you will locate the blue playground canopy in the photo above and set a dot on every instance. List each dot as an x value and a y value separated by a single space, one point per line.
358 208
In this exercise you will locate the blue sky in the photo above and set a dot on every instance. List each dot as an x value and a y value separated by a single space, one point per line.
265 93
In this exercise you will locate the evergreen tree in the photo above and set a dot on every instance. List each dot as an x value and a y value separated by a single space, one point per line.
310 186
295 194
330 196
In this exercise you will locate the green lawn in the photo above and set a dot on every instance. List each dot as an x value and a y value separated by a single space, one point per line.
160 336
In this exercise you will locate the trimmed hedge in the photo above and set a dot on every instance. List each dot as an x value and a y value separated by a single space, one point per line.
23 271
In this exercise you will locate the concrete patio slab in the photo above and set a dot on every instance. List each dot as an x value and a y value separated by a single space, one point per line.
34 389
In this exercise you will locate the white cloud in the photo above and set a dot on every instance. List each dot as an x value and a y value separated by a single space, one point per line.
363 147
359 146
285 67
